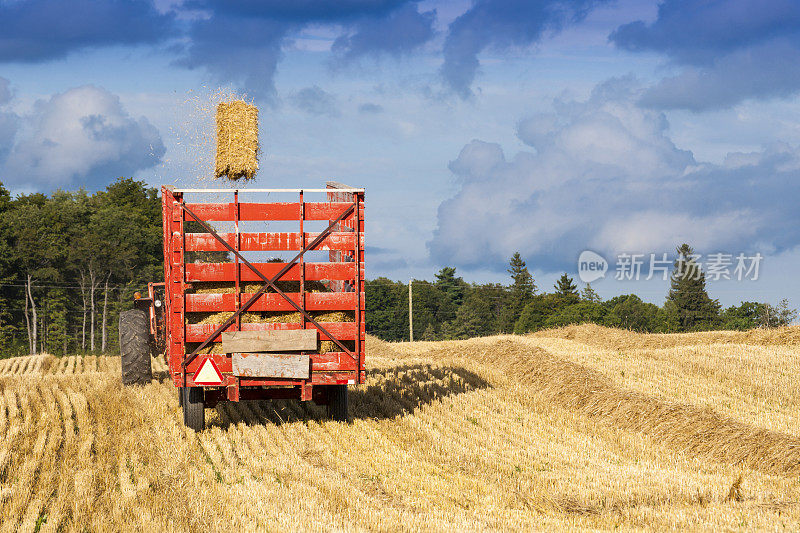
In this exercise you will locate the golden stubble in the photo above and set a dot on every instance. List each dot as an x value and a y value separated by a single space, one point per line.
570 429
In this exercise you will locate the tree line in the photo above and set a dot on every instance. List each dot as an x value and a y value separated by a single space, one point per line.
450 308
71 261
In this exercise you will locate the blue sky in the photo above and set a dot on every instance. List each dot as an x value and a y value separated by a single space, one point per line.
478 127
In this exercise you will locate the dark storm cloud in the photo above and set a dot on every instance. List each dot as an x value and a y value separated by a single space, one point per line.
236 41
397 33
9 121
5 91
731 50
241 41
698 31
248 60
39 30
500 24
316 101
301 11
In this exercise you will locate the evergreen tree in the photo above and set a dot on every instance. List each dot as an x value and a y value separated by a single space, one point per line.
565 286
452 286
429 334
521 291
588 294
695 308
523 283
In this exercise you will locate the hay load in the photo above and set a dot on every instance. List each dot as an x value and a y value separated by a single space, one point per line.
264 317
237 140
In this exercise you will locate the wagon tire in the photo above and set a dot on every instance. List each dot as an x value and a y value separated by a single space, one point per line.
134 347
338 408
194 409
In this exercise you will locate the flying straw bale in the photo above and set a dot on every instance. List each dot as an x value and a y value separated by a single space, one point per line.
237 140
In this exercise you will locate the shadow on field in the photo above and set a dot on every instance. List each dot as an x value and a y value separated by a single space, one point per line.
401 390
162 376
388 393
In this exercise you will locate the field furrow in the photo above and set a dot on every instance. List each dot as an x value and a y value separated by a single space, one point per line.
571 429
14 367
44 477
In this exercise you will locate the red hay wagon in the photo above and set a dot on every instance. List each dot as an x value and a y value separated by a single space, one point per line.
258 332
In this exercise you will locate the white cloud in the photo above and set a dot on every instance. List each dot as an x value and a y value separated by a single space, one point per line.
659 232
82 136
605 175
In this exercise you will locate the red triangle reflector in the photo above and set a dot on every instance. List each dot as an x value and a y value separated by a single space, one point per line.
208 374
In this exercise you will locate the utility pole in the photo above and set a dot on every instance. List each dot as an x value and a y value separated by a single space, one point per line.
410 311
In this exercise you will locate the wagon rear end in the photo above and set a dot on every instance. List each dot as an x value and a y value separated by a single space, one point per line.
264 298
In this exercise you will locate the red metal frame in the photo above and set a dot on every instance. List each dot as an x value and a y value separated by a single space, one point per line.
343 273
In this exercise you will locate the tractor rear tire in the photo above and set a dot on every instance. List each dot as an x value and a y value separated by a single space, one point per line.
134 347
337 403
194 408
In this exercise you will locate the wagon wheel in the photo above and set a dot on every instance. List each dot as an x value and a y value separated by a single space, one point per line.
134 347
194 409
337 402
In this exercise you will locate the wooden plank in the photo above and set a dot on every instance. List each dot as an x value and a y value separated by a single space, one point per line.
211 211
249 211
344 331
313 211
269 365
317 301
269 341
227 271
265 242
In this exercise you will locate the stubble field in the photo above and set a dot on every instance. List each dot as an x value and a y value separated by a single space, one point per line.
582 427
